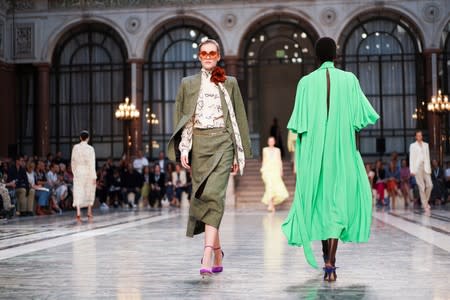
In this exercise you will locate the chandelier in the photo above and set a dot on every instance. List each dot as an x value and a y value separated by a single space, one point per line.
151 118
127 111
439 103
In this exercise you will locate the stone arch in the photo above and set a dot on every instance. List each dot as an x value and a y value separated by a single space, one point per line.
60 32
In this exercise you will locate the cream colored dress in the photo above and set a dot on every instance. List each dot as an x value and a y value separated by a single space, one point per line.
83 168
271 169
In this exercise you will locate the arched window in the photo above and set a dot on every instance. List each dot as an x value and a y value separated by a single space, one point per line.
446 61
172 55
88 81
277 52
384 55
444 72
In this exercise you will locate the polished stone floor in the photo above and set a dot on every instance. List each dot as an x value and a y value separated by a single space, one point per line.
144 254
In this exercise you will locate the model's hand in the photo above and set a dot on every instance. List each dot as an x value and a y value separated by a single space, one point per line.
235 168
185 161
412 174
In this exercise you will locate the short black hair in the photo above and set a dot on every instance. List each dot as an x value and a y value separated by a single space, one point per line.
325 49
84 135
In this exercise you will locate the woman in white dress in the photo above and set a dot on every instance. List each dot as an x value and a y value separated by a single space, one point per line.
84 175
272 173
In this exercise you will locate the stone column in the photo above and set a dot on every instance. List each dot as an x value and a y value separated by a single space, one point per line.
42 121
137 96
431 87
8 121
231 65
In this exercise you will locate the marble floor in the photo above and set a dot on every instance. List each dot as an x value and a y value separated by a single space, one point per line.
144 254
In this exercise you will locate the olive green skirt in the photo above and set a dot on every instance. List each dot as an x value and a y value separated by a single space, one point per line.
211 161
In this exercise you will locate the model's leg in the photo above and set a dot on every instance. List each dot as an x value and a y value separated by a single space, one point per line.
331 262
89 212
325 250
217 251
428 188
420 180
210 238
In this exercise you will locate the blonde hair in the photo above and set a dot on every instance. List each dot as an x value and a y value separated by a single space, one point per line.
31 165
209 41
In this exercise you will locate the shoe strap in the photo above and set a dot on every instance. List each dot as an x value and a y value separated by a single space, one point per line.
210 247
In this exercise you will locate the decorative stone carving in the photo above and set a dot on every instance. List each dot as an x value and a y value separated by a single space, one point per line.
133 24
22 4
65 3
24 40
229 20
84 4
328 16
431 12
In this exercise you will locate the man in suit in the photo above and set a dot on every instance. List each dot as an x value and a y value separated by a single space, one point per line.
419 164
157 186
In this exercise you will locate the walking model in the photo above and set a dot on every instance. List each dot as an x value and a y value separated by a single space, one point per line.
332 196
84 175
211 137
272 175
420 167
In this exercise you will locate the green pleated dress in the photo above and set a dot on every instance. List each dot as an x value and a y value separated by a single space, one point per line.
332 196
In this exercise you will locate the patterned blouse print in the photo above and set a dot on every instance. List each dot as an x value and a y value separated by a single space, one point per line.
208 113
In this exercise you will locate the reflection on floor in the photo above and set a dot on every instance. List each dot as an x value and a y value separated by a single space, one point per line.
145 255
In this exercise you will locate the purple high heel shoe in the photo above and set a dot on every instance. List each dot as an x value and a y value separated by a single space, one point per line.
206 271
218 269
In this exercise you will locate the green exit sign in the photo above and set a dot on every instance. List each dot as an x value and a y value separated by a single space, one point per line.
280 53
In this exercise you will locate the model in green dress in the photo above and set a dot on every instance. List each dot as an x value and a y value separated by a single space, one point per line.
332 196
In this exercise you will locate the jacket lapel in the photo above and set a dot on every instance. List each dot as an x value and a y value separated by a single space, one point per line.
195 88
229 89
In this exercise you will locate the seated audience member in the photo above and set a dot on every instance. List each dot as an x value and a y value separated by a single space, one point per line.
48 161
8 207
115 188
131 185
379 182
66 176
163 162
447 175
179 184
58 189
17 179
439 191
392 181
59 158
146 186
42 193
405 182
140 162
101 189
5 194
157 187
170 190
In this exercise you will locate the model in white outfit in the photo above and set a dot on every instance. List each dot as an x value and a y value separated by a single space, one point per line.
420 167
84 175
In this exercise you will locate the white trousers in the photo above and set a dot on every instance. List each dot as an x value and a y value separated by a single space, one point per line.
425 185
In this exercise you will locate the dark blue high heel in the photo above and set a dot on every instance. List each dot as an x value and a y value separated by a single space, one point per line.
330 273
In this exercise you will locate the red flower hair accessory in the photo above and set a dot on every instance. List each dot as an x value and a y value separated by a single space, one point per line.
218 75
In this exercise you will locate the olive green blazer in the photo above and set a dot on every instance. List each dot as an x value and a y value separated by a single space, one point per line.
186 103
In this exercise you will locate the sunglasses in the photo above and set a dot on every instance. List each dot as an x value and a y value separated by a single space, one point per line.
212 54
